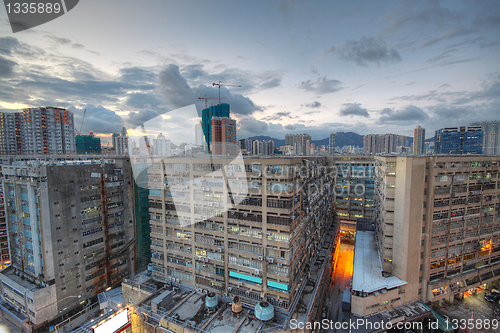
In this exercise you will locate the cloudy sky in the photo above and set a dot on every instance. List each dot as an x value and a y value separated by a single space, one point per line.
315 67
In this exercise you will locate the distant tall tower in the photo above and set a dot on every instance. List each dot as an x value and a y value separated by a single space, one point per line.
331 145
198 132
124 131
418 140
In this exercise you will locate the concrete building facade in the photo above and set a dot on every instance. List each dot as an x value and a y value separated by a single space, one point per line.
71 235
37 131
256 240
437 229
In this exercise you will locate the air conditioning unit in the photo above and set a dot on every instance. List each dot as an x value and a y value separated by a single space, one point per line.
240 283
229 173
268 234
256 272
206 259
260 257
247 292
210 204
177 280
271 260
205 291
259 232
187 186
216 204
229 288
243 230
245 214
202 188
219 250
255 215
204 217
204 266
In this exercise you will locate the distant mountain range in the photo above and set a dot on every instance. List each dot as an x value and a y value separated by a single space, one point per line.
341 139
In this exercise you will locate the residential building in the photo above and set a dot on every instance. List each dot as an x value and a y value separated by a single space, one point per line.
491 136
71 235
437 231
10 133
300 142
459 140
224 136
384 143
161 146
255 239
331 143
120 144
418 141
37 131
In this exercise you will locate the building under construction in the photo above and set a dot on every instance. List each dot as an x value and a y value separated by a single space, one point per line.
71 232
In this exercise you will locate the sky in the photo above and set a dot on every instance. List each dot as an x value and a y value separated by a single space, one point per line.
311 67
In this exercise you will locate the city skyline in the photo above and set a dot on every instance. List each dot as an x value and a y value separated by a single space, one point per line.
316 69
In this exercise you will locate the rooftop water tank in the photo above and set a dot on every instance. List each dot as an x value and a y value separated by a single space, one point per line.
211 300
264 311
237 307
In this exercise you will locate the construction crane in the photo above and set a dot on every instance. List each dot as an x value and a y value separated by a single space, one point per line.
146 140
81 127
222 85
207 98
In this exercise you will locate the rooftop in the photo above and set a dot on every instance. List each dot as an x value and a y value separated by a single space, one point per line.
367 274
10 273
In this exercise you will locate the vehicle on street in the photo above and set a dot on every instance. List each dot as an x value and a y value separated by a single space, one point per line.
493 296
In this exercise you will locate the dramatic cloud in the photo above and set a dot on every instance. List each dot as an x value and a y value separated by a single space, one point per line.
65 42
280 116
312 105
250 126
8 45
366 50
140 117
178 93
175 88
353 109
137 75
321 86
6 67
143 101
97 118
410 113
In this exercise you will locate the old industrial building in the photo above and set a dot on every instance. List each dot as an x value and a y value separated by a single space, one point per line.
437 231
250 228
71 235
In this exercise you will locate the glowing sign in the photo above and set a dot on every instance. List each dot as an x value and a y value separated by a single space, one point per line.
113 323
